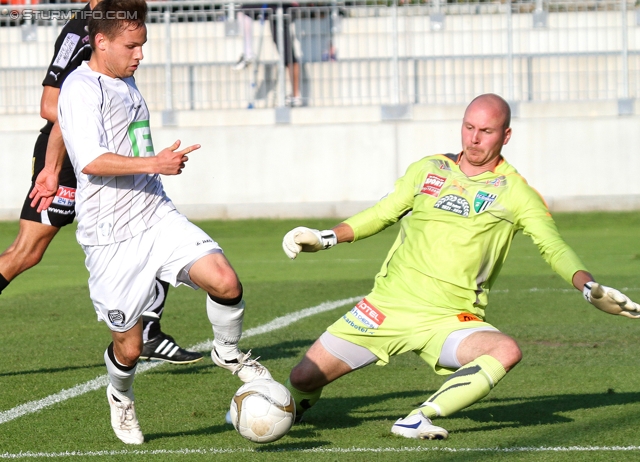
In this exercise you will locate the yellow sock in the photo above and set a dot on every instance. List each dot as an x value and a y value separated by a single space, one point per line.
469 384
304 400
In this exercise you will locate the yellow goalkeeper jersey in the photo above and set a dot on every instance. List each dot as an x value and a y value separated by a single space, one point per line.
456 234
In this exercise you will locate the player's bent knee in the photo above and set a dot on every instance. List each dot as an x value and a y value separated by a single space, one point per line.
302 378
216 277
128 355
226 289
229 285
131 356
510 353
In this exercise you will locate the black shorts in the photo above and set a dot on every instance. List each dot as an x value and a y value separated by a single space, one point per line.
61 212
289 52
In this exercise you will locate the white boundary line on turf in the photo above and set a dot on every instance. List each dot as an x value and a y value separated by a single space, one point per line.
137 452
103 380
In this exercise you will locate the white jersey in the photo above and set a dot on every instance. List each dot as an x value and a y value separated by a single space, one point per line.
97 115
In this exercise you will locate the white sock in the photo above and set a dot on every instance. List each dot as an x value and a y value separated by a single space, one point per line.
226 321
121 380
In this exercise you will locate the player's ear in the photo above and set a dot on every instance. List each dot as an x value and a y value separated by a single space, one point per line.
100 41
507 136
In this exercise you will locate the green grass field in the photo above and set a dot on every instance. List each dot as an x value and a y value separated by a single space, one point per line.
575 395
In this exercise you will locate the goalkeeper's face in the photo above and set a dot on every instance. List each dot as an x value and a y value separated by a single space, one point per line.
484 132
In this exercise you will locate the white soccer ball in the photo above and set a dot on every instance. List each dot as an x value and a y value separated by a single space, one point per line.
262 411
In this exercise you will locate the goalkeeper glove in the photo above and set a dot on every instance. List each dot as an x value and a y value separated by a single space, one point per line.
610 300
303 239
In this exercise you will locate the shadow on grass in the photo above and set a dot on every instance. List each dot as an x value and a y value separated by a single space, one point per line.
351 412
523 412
282 350
338 413
211 430
52 370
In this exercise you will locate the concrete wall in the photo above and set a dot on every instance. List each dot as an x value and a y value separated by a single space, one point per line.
334 162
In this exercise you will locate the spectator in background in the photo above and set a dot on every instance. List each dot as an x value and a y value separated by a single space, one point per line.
291 48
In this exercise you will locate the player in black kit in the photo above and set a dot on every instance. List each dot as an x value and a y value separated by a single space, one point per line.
54 188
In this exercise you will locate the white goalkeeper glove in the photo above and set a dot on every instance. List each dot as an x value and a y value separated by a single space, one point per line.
303 239
610 300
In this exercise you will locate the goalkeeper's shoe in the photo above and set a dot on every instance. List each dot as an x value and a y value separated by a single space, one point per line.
163 347
243 366
419 427
123 416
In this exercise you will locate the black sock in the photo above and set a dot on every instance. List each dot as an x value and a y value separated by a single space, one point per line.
3 283
228 302
151 324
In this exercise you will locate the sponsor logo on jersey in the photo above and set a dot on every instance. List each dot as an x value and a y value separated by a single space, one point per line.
65 197
452 203
466 317
140 137
497 182
368 314
116 318
432 185
206 241
66 50
482 201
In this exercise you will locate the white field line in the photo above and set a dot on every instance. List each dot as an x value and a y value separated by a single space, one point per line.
277 323
423 449
103 380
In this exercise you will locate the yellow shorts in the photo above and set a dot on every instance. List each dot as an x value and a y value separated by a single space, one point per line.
387 330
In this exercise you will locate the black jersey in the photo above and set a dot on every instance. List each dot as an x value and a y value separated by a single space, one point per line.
71 49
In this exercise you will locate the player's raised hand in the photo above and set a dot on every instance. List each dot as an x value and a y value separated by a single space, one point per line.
171 161
44 190
610 300
303 239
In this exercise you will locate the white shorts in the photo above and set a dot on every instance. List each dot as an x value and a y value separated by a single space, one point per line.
122 275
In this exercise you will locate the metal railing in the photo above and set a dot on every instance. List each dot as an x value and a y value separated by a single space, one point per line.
353 52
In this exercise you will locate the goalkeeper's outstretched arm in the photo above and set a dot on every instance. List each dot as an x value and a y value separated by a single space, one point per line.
302 239
605 298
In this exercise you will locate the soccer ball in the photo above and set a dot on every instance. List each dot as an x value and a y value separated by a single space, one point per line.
262 411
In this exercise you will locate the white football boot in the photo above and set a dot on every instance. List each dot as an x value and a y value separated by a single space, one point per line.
123 416
419 427
243 366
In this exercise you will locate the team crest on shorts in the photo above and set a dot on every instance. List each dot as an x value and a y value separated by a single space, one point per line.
116 318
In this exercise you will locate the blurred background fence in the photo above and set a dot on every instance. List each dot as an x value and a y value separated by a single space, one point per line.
353 53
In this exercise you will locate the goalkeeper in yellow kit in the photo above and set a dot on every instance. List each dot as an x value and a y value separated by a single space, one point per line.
459 215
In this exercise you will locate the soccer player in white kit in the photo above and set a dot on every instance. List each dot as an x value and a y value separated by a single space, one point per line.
129 229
